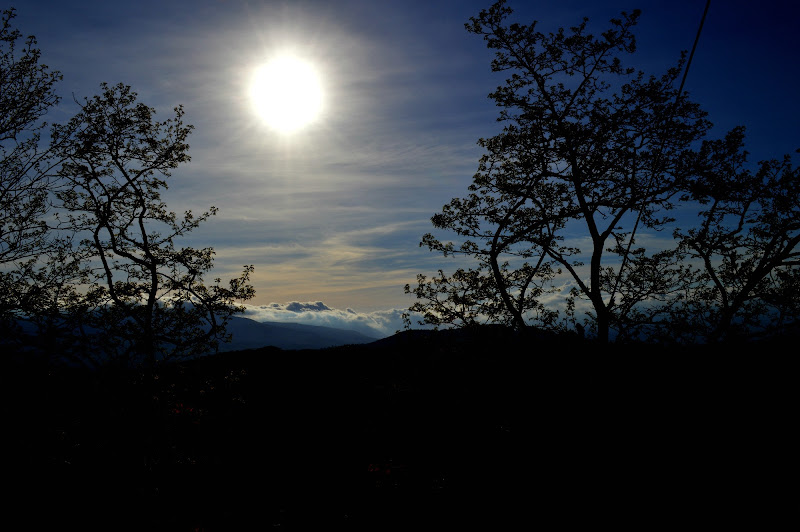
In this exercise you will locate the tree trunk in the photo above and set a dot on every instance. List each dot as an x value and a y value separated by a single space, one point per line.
596 296
603 323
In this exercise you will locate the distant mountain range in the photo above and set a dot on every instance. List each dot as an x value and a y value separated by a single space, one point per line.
251 334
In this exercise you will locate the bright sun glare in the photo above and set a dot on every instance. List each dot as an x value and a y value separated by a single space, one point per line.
287 94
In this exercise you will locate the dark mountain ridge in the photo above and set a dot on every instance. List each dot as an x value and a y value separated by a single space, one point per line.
251 334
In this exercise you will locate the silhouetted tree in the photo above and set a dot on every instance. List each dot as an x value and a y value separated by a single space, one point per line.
746 246
591 151
87 246
27 91
146 294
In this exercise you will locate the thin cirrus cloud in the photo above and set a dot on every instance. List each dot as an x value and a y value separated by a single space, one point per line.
341 208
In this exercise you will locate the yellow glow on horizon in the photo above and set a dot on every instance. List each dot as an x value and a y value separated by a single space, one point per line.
286 93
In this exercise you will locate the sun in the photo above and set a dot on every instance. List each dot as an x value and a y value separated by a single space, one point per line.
286 93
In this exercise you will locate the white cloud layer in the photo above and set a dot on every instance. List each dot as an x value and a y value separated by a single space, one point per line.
378 324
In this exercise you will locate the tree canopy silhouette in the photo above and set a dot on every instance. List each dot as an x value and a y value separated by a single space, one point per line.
27 92
90 249
594 153
147 293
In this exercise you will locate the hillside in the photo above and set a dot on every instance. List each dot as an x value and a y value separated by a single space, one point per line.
422 429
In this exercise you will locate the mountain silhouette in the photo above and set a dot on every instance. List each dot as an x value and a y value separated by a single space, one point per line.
251 334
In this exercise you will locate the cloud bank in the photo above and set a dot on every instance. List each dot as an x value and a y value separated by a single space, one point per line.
378 324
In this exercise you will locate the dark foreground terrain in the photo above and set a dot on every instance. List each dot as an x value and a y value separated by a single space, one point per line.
420 431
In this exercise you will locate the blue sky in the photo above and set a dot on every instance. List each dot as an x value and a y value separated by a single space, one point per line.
333 214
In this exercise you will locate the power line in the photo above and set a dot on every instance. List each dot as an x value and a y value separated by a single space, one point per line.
694 47
677 98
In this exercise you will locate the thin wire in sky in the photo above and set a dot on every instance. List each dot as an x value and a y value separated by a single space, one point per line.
694 47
